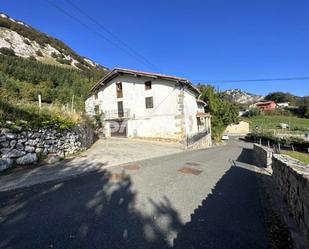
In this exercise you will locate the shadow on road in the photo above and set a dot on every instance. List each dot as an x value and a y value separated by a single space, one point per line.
77 214
98 211
246 156
230 217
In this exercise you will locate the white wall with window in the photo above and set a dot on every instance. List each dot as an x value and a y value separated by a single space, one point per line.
150 106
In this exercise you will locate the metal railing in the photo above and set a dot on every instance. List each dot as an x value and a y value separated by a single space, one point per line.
191 139
116 114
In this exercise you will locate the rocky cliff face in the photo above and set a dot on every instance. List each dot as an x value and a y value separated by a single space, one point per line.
26 42
242 97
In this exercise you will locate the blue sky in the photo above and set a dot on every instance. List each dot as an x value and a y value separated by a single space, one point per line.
204 40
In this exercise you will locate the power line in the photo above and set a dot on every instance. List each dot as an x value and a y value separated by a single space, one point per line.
93 30
254 80
111 33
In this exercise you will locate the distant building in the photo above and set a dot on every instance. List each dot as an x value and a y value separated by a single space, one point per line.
283 104
266 106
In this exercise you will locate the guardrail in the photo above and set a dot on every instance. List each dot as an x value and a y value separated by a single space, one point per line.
116 114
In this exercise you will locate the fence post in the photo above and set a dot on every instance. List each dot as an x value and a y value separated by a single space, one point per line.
40 101
260 141
292 147
268 143
279 147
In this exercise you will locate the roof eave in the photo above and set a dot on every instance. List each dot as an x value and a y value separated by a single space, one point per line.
115 72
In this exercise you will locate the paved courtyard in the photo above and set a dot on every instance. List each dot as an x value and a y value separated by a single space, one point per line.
196 199
103 154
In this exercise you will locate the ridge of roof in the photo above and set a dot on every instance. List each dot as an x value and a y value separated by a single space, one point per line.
116 71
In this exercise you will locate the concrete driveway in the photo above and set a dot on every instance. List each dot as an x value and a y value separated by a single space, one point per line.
199 199
103 154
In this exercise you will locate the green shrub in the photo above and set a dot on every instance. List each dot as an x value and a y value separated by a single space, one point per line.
31 116
54 55
64 61
7 51
39 53
253 112
298 143
32 58
27 42
222 111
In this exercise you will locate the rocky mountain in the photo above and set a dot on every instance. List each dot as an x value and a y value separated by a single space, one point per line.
18 38
242 97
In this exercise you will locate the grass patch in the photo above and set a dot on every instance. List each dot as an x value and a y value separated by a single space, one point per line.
303 157
271 123
29 115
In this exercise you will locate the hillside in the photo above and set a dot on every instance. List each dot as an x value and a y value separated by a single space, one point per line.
33 63
26 42
242 97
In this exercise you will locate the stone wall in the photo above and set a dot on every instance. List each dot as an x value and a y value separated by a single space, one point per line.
25 146
262 155
292 178
240 129
204 142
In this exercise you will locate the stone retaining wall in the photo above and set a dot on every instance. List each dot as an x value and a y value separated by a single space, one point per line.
262 155
204 142
25 146
240 129
292 178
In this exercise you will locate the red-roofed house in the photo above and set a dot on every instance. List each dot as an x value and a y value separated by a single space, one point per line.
266 106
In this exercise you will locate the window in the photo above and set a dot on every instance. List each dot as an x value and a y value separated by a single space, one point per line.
119 89
148 85
149 102
120 109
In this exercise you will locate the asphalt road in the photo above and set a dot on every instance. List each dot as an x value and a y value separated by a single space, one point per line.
149 204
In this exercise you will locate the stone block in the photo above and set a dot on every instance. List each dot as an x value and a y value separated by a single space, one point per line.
29 148
15 153
5 163
29 158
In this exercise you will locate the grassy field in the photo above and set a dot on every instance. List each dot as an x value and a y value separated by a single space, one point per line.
303 157
271 123
29 114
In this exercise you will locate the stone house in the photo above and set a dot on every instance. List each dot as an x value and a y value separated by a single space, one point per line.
148 105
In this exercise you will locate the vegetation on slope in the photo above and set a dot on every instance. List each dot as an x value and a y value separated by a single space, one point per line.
23 79
303 157
269 122
300 105
29 115
223 112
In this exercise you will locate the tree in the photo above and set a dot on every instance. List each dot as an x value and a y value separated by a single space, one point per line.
223 112
303 109
280 97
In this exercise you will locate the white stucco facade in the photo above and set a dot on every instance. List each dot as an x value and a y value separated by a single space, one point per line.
173 114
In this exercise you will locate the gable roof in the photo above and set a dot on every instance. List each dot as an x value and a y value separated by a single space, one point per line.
121 71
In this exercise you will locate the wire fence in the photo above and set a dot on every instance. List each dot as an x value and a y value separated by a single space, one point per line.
282 144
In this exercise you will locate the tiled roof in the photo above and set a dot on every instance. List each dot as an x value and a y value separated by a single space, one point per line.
265 103
118 71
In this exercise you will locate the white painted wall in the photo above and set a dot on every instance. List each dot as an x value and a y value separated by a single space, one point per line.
190 110
156 122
